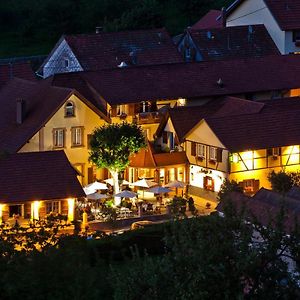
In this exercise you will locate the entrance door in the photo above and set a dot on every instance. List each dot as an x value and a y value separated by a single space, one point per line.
209 183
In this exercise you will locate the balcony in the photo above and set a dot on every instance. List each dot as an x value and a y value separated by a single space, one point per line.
148 117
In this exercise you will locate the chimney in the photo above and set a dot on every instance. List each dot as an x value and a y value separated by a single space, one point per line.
21 110
99 29
223 17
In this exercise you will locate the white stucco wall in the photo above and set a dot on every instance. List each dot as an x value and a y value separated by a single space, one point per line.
56 63
253 12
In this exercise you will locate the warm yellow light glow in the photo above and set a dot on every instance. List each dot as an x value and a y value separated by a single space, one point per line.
1 212
247 155
71 206
35 210
235 158
181 102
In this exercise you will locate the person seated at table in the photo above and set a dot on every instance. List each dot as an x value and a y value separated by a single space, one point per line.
150 207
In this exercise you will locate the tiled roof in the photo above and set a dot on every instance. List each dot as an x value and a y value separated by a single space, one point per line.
285 12
234 42
209 21
194 80
265 206
185 118
41 101
147 158
38 176
275 125
107 50
79 83
12 70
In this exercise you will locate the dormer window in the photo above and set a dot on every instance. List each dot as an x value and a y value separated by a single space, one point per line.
69 109
66 63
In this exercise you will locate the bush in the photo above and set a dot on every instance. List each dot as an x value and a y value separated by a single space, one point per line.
281 182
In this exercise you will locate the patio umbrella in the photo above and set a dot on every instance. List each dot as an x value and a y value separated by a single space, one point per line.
89 191
111 182
126 194
96 186
144 183
158 190
175 184
97 196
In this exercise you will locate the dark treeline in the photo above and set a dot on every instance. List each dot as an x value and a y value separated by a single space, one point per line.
33 26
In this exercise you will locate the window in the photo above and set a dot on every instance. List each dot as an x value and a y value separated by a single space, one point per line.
296 36
121 110
250 186
69 109
66 63
213 153
59 137
145 106
52 206
274 152
77 136
201 150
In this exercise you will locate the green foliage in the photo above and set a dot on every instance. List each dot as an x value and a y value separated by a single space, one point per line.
31 27
281 182
111 145
227 187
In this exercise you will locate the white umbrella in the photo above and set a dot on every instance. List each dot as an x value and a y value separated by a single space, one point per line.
175 184
97 196
158 190
144 183
97 186
126 194
110 181
89 191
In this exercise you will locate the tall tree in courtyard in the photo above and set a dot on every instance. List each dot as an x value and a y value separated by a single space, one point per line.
111 146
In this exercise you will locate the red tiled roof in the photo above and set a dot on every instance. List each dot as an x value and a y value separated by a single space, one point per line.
234 42
107 50
265 205
275 125
42 101
285 12
185 118
12 70
194 80
209 20
38 176
147 158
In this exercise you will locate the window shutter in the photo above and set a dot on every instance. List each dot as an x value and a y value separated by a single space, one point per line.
255 185
241 185
193 148
279 151
114 111
269 152
165 137
219 155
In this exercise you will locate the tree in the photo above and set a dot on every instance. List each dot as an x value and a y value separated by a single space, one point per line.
112 145
281 182
227 187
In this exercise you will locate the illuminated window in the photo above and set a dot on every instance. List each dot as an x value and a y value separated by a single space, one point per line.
201 150
145 106
121 110
235 158
52 206
70 109
212 153
77 136
58 137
